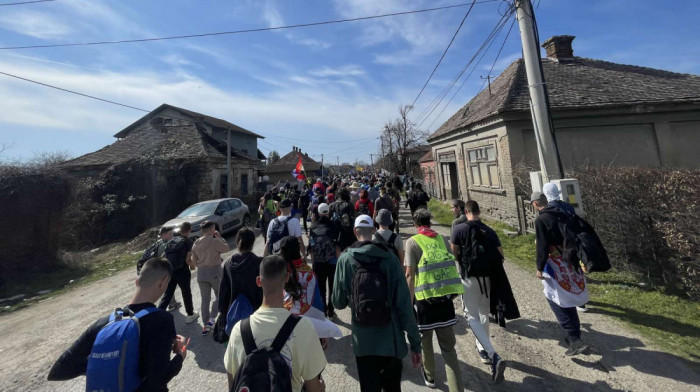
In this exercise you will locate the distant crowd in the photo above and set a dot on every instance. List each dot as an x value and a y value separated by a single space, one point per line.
275 311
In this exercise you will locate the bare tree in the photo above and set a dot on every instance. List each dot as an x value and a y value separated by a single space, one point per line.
397 139
273 157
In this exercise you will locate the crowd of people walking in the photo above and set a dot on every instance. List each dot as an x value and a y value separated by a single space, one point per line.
276 311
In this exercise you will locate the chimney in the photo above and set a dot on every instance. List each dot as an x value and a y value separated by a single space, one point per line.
559 48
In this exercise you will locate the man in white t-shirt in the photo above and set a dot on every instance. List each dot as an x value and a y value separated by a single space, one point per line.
293 227
384 234
302 351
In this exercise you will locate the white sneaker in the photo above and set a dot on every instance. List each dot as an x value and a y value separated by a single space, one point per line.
582 309
192 318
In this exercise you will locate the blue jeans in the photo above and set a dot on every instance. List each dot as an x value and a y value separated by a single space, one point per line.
568 319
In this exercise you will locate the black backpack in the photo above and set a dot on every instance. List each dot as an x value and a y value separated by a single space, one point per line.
324 247
370 294
478 256
150 253
176 253
364 208
343 215
278 231
581 244
391 243
264 369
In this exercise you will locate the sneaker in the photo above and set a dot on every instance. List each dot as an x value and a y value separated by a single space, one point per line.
582 308
174 305
576 347
191 318
498 367
484 356
429 382
207 328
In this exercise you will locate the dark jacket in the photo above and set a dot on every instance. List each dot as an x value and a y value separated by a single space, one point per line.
501 296
156 366
547 233
240 273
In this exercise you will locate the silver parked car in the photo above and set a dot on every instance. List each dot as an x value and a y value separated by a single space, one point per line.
228 214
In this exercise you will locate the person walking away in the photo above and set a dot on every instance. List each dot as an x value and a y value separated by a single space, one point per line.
304 203
458 212
479 251
434 281
383 202
281 227
386 236
369 279
298 342
564 284
364 205
395 196
418 199
206 256
342 214
302 295
324 251
165 234
154 333
178 251
373 191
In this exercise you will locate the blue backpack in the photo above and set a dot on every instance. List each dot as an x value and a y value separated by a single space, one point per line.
113 364
240 309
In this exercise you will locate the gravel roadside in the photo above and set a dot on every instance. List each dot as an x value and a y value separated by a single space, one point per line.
32 338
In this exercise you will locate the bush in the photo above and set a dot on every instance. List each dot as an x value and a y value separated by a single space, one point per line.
647 219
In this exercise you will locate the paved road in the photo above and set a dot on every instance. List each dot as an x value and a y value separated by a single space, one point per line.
31 339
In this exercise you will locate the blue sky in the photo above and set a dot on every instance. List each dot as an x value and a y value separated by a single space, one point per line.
321 86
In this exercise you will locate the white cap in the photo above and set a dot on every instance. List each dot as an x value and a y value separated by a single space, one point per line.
364 221
551 191
323 208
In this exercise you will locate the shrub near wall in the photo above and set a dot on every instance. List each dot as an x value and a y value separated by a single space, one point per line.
649 221
32 201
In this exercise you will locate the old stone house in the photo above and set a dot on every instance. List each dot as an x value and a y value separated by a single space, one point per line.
604 114
169 159
428 174
281 170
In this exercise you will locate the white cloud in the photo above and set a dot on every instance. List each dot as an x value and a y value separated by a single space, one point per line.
35 24
347 70
275 19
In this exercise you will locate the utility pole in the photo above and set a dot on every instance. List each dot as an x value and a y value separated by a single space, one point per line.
229 181
550 165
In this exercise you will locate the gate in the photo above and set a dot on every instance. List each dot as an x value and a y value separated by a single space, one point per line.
526 215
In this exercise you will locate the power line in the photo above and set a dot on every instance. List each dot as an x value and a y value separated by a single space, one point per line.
255 30
73 92
25 2
443 54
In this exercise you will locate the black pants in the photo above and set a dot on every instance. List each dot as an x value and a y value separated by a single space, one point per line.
180 277
379 373
568 319
325 272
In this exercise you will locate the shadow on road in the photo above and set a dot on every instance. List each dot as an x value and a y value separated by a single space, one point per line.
207 353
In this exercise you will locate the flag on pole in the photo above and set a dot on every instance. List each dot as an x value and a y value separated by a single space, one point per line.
298 172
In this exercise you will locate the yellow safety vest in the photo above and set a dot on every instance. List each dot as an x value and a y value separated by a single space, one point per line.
436 275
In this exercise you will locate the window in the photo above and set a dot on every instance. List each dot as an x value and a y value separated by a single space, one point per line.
483 167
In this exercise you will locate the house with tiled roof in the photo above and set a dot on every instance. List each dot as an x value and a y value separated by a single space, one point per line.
172 158
603 113
281 170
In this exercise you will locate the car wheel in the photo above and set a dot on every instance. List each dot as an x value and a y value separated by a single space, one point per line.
246 221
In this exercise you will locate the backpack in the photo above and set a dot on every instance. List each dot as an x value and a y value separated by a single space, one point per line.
173 252
370 295
278 231
323 246
265 369
363 208
150 253
581 244
342 216
478 255
113 364
391 243
240 309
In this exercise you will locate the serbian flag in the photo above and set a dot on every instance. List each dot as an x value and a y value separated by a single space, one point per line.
297 172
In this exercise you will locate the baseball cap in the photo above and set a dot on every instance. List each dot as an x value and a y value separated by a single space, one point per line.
538 196
286 203
323 208
384 217
364 221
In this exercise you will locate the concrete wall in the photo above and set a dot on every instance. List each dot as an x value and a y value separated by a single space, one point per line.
210 183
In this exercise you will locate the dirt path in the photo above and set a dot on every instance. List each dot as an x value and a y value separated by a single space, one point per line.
32 338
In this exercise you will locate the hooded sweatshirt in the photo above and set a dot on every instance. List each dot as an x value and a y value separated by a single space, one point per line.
547 232
386 340
240 272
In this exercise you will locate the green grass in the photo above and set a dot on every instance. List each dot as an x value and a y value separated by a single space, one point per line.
670 322
56 280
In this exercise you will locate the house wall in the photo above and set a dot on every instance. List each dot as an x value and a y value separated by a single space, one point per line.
429 175
210 182
496 202
643 138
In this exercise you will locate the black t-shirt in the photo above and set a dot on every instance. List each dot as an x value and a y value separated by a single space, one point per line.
460 234
156 366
